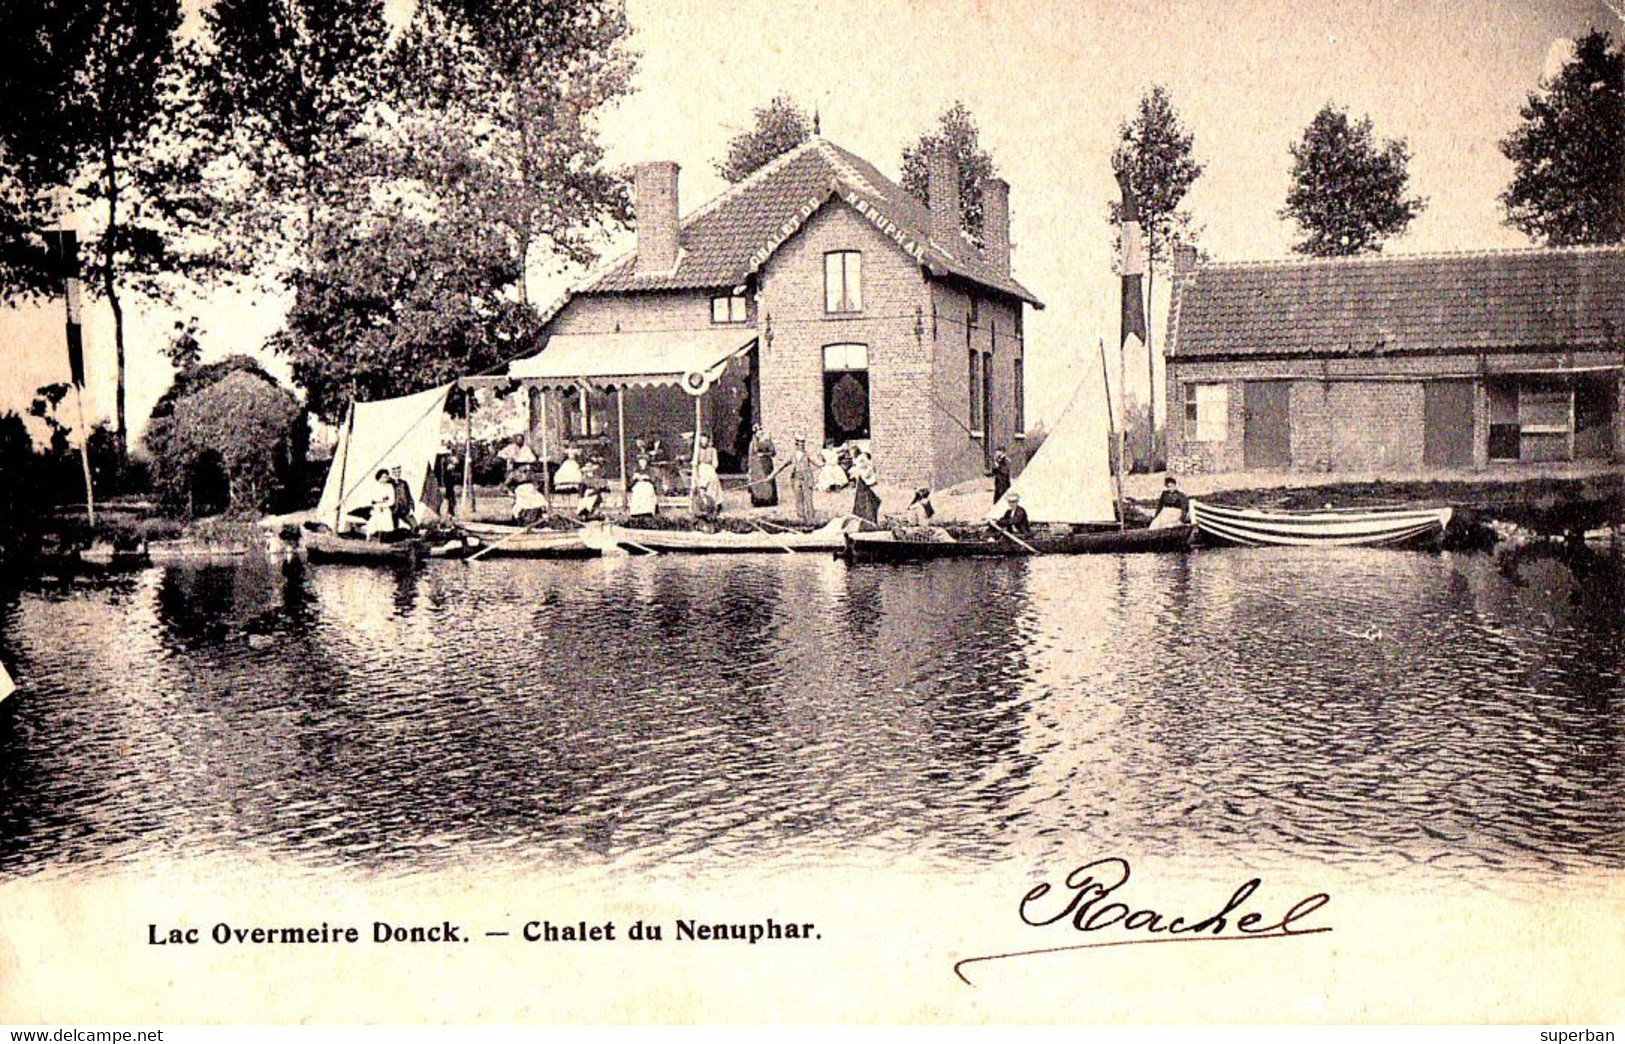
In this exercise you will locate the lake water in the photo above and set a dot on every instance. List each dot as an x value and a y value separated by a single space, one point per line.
1369 709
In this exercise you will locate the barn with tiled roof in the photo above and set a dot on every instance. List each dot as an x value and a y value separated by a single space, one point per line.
816 300
1398 364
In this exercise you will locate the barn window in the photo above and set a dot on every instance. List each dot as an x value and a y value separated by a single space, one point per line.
1207 412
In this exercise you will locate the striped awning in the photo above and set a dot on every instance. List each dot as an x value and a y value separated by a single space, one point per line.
688 358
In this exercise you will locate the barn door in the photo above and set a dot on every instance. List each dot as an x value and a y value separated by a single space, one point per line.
1447 424
1267 434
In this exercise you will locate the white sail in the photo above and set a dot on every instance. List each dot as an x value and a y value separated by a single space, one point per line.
1069 479
391 433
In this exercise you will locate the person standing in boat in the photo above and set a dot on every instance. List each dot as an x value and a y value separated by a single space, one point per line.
1173 507
1001 475
404 509
764 487
803 477
381 504
865 501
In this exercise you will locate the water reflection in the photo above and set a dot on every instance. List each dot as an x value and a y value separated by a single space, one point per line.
1363 708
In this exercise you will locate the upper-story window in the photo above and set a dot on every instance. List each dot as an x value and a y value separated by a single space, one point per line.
843 281
974 316
730 308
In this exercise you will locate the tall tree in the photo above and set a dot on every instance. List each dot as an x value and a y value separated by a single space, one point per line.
956 128
488 154
1155 150
781 125
1569 153
98 119
401 304
1349 194
536 73
289 87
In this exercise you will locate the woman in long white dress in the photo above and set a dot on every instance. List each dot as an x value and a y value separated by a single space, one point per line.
707 483
831 475
567 479
381 501
642 503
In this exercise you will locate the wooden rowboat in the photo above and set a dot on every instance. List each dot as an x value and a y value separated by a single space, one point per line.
507 541
829 537
1380 527
324 546
888 547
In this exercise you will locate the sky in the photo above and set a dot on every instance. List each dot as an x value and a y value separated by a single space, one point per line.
1048 81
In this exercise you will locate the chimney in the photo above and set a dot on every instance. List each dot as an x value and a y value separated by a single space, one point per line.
1185 260
943 190
655 214
996 222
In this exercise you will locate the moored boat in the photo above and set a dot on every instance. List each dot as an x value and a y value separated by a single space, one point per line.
324 546
1355 527
495 540
828 537
890 547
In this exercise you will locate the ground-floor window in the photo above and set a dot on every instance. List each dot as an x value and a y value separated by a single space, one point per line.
1207 412
1551 417
846 392
586 413
1019 394
977 404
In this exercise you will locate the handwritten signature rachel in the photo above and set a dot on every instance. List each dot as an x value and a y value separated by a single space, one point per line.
1087 901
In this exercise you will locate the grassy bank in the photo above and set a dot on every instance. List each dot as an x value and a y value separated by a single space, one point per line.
122 528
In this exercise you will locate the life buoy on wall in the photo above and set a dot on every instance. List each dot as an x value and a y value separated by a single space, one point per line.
696 382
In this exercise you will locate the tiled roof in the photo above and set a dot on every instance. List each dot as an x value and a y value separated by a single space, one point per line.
733 236
1418 304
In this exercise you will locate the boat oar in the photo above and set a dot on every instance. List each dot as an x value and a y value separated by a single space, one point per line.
787 548
999 529
488 548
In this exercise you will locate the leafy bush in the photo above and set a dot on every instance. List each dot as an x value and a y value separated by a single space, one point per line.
229 422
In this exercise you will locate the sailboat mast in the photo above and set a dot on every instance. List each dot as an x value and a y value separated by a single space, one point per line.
344 464
1111 427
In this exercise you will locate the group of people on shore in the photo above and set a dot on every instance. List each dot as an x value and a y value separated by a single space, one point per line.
804 473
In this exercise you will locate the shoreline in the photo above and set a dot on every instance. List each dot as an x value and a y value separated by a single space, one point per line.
1522 505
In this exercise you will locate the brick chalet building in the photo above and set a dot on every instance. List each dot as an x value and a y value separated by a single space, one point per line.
823 301
1373 364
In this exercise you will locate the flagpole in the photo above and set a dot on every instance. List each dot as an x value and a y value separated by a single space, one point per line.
84 458
66 248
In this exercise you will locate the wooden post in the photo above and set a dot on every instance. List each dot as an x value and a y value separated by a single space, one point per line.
620 437
84 458
547 475
465 506
694 465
